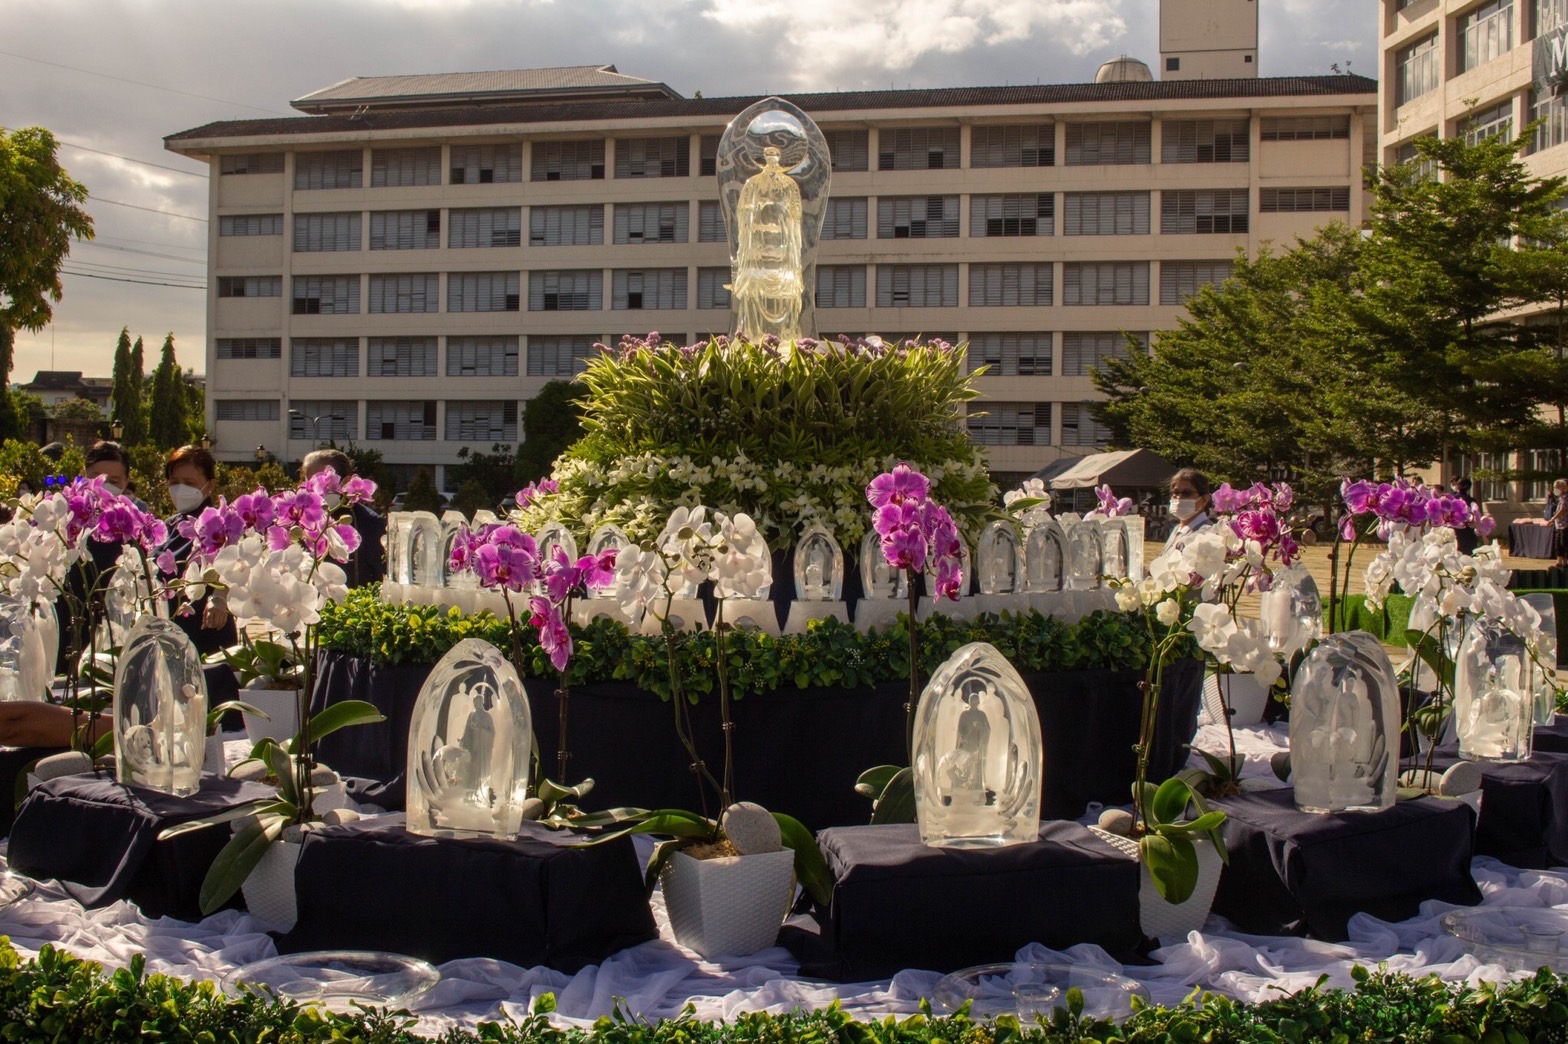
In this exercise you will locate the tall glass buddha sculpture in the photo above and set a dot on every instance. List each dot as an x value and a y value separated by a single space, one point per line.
1344 726
1044 553
468 746
1085 557
996 559
1543 682
1494 712
774 169
818 567
884 591
160 709
977 754
1291 612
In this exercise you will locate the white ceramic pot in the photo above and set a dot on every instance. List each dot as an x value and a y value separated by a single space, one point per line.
269 890
1162 920
281 707
214 759
732 905
1245 694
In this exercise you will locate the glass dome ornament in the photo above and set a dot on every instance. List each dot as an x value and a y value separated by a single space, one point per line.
1044 554
774 167
21 652
468 746
1494 712
1085 558
1291 612
160 709
996 559
819 566
977 754
423 544
1344 726
1543 685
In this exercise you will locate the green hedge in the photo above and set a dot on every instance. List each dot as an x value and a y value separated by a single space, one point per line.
62 998
829 655
1386 624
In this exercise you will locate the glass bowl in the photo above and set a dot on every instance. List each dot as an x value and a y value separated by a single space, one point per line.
1031 990
1517 938
339 979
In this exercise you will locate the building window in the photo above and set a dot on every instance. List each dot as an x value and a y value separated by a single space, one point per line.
247 409
1031 214
408 292
558 356
1079 428
1203 211
1010 423
917 286
491 164
318 233
708 156
845 219
917 217
1206 141
638 223
1304 128
1011 354
567 291
841 286
1300 200
1004 285
329 170
400 357
1105 214
1107 144
491 356
1083 353
321 420
326 295
652 157
712 291
397 168
850 149
400 421
1485 33
485 227
566 226
1426 166
1012 146
710 221
1179 280
1105 283
324 357
1552 111
918 148
1173 64
251 225
250 347
481 421
1546 462
251 163
568 160
405 229
1490 122
1547 15
1417 69
636 288
483 292
250 286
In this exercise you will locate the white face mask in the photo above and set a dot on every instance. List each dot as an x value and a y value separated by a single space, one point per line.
332 500
1184 507
111 489
186 498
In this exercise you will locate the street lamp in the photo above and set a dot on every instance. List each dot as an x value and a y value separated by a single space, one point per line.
116 429
261 454
206 441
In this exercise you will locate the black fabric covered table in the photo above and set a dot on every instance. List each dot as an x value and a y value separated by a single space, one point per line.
100 839
1298 873
900 904
1524 809
1530 541
371 885
14 761
797 750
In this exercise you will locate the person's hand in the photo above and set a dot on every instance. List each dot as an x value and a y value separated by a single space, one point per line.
214 616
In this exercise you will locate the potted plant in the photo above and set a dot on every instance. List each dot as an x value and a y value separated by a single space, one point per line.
270 677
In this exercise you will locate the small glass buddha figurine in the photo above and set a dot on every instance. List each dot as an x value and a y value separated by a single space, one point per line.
819 566
996 559
1291 612
1494 712
424 546
1085 559
552 535
160 709
878 579
1113 543
1344 726
453 525
1043 556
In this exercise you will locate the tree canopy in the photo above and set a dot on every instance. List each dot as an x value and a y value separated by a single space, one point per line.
40 214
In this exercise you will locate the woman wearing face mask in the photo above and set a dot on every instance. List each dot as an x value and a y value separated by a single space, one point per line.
192 475
1189 506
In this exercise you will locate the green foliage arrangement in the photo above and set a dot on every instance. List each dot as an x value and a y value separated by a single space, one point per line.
21 461
60 997
790 441
829 654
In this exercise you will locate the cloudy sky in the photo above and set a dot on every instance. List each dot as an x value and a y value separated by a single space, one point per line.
111 78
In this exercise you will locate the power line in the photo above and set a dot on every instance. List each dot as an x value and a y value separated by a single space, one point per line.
139 83
142 282
150 210
98 240
133 159
99 266
144 253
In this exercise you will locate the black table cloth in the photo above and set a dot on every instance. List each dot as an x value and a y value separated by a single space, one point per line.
1524 809
1298 873
900 904
99 838
539 900
1529 541
14 763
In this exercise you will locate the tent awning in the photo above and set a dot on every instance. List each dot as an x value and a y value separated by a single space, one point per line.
1121 469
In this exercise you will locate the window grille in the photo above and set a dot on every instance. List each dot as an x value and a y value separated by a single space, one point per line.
246 409
918 148
1295 200
497 164
400 357
251 163
566 291
647 288
566 226
1107 144
1206 141
640 223
1011 354
558 356
251 225
850 149
489 356
250 286
711 292
1179 280
483 292
1105 214
917 286
1083 353
324 357
1105 283
405 229
481 421
845 218
1007 285
652 157
329 170
318 233
1012 145
1216 211
1029 214
841 286
392 420
568 160
415 292
917 217
485 227
1010 423
326 295
321 420
250 347
396 168
1304 128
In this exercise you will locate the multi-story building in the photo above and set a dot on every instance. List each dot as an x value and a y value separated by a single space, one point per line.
408 264
1478 68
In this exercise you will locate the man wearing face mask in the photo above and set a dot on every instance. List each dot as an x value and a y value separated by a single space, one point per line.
368 563
192 474
109 461
1189 506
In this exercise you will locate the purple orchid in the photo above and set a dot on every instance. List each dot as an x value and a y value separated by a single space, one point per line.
917 533
901 485
534 490
555 637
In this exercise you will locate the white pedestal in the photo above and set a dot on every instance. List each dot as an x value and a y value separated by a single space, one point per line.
878 613
802 612
755 613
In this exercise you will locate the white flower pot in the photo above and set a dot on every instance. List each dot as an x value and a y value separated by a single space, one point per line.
1162 920
269 890
1245 694
732 905
281 707
214 759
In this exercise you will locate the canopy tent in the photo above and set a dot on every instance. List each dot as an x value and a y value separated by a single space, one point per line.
1122 470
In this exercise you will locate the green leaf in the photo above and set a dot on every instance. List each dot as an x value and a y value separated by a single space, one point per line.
228 815
897 803
673 821
551 792
341 716
872 782
237 859
1170 802
811 870
1172 863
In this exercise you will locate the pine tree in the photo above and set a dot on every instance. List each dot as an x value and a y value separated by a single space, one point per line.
136 422
123 398
168 417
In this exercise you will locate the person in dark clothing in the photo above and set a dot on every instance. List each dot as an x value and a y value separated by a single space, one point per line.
192 474
1466 536
89 577
368 564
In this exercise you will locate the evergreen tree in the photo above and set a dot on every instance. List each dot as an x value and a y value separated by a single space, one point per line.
551 422
136 422
124 399
10 420
422 494
168 428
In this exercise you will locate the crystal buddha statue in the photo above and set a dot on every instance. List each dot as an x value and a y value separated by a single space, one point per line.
768 282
